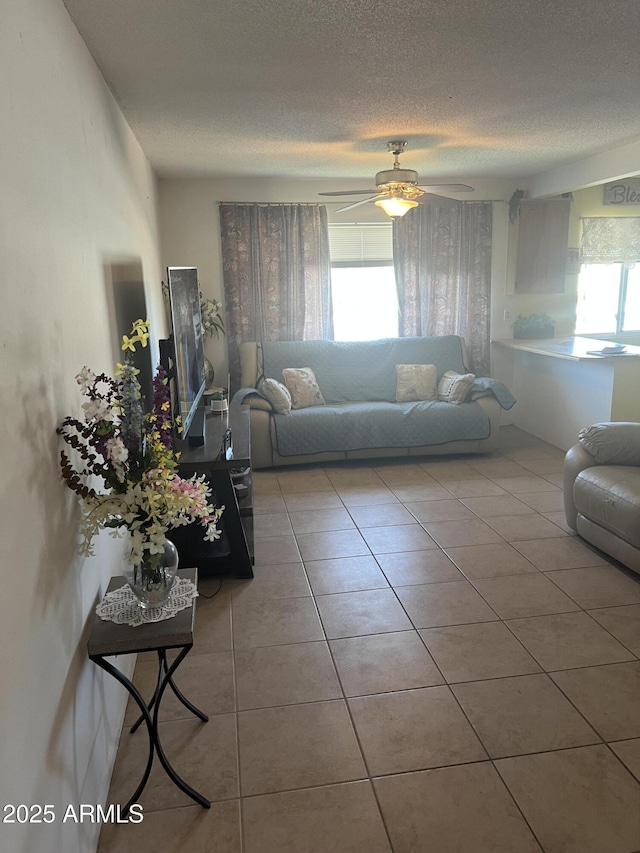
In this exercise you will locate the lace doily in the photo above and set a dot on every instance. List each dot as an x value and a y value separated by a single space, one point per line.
121 605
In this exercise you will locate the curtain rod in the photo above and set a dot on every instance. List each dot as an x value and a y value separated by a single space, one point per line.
275 203
342 201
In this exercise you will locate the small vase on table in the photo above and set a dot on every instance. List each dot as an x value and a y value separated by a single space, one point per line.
152 578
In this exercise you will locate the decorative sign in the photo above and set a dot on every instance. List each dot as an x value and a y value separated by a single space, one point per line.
626 191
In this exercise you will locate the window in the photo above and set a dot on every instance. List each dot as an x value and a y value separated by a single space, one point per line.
363 284
608 299
609 281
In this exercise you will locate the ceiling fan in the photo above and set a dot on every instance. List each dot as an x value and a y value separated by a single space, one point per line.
397 189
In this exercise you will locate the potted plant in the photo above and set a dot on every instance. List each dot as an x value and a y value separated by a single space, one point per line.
212 327
532 326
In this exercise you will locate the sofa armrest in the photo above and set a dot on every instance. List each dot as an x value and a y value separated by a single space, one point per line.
253 398
259 403
493 411
249 366
261 450
576 460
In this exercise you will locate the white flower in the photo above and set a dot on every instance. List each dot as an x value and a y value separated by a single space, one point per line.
99 410
116 450
212 533
156 543
137 546
85 379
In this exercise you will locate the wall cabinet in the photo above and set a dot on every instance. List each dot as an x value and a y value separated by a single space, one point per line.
543 239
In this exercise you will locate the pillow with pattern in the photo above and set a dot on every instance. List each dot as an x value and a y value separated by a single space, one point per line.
454 387
302 385
415 382
277 394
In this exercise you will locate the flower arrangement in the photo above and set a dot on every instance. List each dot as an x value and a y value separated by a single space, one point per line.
133 457
212 322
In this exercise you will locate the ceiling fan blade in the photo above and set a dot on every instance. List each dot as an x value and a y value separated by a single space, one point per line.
364 201
350 192
448 188
434 198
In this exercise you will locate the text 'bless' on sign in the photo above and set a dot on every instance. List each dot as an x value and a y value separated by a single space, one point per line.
622 192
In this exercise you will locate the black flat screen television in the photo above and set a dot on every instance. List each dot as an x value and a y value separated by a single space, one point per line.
187 351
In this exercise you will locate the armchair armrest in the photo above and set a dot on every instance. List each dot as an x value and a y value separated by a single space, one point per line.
612 443
576 460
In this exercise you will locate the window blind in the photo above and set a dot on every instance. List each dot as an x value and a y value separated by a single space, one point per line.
366 242
610 239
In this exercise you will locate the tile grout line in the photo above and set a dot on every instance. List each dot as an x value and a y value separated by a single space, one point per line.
237 727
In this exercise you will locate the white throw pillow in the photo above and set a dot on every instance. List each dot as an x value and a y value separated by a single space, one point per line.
415 382
277 394
454 387
303 387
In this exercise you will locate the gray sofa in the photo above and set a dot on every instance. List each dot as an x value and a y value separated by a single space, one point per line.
602 489
361 418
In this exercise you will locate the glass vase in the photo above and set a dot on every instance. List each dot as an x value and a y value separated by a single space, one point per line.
151 579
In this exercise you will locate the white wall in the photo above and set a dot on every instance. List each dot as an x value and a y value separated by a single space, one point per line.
190 226
77 194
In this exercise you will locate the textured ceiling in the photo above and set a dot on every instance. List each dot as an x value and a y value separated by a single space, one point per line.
315 88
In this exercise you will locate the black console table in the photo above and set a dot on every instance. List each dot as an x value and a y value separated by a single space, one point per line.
218 459
109 638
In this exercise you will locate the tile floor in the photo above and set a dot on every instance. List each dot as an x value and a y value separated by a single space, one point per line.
427 661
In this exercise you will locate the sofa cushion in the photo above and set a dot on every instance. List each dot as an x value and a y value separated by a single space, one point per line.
454 387
277 394
609 495
361 426
415 382
615 443
303 387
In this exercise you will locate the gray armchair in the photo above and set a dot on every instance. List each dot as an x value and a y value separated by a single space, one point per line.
602 489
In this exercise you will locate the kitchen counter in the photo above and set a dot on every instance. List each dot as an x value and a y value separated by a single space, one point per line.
562 385
575 348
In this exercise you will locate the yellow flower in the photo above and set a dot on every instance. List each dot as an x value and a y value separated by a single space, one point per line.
129 367
139 335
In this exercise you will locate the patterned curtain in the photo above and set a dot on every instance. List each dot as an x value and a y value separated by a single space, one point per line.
442 259
610 239
277 274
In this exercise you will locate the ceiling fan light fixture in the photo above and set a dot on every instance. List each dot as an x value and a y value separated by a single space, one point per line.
397 189
395 206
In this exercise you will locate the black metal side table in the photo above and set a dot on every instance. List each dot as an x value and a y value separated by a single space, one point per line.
108 639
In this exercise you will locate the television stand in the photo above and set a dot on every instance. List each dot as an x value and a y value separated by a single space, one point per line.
219 460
